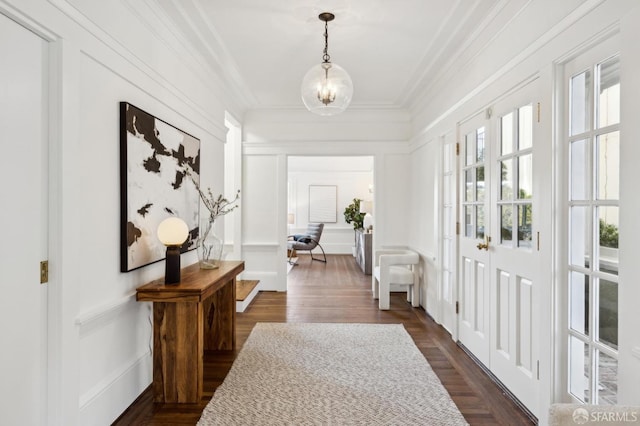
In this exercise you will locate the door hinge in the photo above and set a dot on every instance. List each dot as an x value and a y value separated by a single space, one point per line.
538 368
538 238
457 308
538 112
457 228
44 271
457 148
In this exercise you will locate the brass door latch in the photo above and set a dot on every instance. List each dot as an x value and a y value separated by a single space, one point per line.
485 245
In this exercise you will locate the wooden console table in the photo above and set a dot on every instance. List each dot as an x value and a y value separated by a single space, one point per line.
195 315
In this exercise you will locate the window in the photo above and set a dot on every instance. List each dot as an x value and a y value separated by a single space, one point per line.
474 184
593 206
516 177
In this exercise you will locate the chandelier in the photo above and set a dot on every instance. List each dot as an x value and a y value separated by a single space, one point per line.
326 88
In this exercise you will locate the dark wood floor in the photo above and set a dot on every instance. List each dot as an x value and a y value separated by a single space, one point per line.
338 292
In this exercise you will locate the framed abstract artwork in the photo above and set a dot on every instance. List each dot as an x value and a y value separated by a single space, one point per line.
322 203
158 166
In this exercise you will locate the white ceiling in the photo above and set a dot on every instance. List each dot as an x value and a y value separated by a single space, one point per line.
393 50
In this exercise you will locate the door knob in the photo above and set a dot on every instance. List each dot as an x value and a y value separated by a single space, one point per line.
485 245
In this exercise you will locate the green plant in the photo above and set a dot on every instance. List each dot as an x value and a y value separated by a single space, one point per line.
608 235
352 214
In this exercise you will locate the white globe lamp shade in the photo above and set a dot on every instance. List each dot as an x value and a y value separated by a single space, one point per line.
173 231
326 89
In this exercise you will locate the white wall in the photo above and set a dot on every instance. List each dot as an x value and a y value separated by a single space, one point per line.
102 53
264 220
352 177
423 237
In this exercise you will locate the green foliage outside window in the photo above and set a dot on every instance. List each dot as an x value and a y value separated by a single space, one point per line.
608 235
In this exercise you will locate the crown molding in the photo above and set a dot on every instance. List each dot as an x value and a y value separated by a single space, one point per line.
418 95
215 54
565 23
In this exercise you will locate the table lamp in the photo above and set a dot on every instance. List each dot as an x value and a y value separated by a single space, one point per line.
367 208
172 232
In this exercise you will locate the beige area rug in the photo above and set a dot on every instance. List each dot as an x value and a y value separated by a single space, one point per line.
330 374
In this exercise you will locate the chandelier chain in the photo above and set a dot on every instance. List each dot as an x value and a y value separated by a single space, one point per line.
326 58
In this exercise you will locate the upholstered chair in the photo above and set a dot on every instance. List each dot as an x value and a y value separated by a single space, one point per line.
398 267
307 242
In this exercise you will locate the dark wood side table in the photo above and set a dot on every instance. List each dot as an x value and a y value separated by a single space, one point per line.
196 315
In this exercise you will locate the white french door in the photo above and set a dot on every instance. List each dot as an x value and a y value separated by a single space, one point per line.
448 238
515 260
474 262
499 267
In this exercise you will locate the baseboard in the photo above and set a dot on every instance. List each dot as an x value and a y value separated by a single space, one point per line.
113 395
498 383
269 280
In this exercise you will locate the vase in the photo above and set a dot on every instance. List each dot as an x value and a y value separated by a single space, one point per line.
209 246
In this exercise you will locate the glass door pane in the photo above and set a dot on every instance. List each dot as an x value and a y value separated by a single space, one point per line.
525 177
579 170
579 302
578 369
608 166
480 221
506 224
468 185
607 248
480 183
609 92
525 127
506 134
480 145
580 103
506 188
525 222
468 225
608 313
607 379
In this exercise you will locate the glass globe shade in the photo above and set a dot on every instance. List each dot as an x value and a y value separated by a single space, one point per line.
326 89
173 231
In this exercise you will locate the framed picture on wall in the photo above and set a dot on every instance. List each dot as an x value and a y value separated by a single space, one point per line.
323 203
158 166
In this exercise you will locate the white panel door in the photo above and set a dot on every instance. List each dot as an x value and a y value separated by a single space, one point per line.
474 262
514 249
498 263
23 173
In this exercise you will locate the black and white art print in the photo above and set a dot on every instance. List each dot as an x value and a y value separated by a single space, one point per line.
157 161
